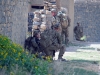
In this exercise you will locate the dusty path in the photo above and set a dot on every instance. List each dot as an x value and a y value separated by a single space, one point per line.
77 44
83 65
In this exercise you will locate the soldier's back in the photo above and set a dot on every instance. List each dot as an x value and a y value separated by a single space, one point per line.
48 37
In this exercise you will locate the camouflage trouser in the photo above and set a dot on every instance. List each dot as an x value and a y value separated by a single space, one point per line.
50 51
78 35
64 35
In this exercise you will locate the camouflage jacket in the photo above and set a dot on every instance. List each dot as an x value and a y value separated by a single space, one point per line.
50 37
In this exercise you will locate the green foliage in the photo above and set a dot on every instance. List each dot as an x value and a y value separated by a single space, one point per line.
14 60
12 54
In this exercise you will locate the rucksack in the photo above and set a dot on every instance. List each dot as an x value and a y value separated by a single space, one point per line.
28 43
64 21
46 38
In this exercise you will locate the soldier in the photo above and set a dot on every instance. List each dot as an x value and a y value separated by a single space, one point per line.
65 23
51 42
55 19
78 30
35 42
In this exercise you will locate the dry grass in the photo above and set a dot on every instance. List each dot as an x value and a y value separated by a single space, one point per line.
84 60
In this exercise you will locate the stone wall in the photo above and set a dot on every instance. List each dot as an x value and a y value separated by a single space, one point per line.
87 12
13 19
37 2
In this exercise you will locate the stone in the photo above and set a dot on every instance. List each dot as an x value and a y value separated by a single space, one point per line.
87 13
13 21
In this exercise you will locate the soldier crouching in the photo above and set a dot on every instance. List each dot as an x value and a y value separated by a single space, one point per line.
50 51
51 42
35 43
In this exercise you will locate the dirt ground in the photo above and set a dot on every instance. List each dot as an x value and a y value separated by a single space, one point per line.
83 65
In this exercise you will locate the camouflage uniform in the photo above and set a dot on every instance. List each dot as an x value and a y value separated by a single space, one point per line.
34 48
55 20
78 30
35 42
53 43
65 23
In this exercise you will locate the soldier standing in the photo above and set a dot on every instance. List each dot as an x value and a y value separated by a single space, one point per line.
65 23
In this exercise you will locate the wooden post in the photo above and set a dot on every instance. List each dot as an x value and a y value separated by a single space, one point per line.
58 5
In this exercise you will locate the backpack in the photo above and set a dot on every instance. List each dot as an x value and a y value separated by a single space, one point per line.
46 38
28 43
64 21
